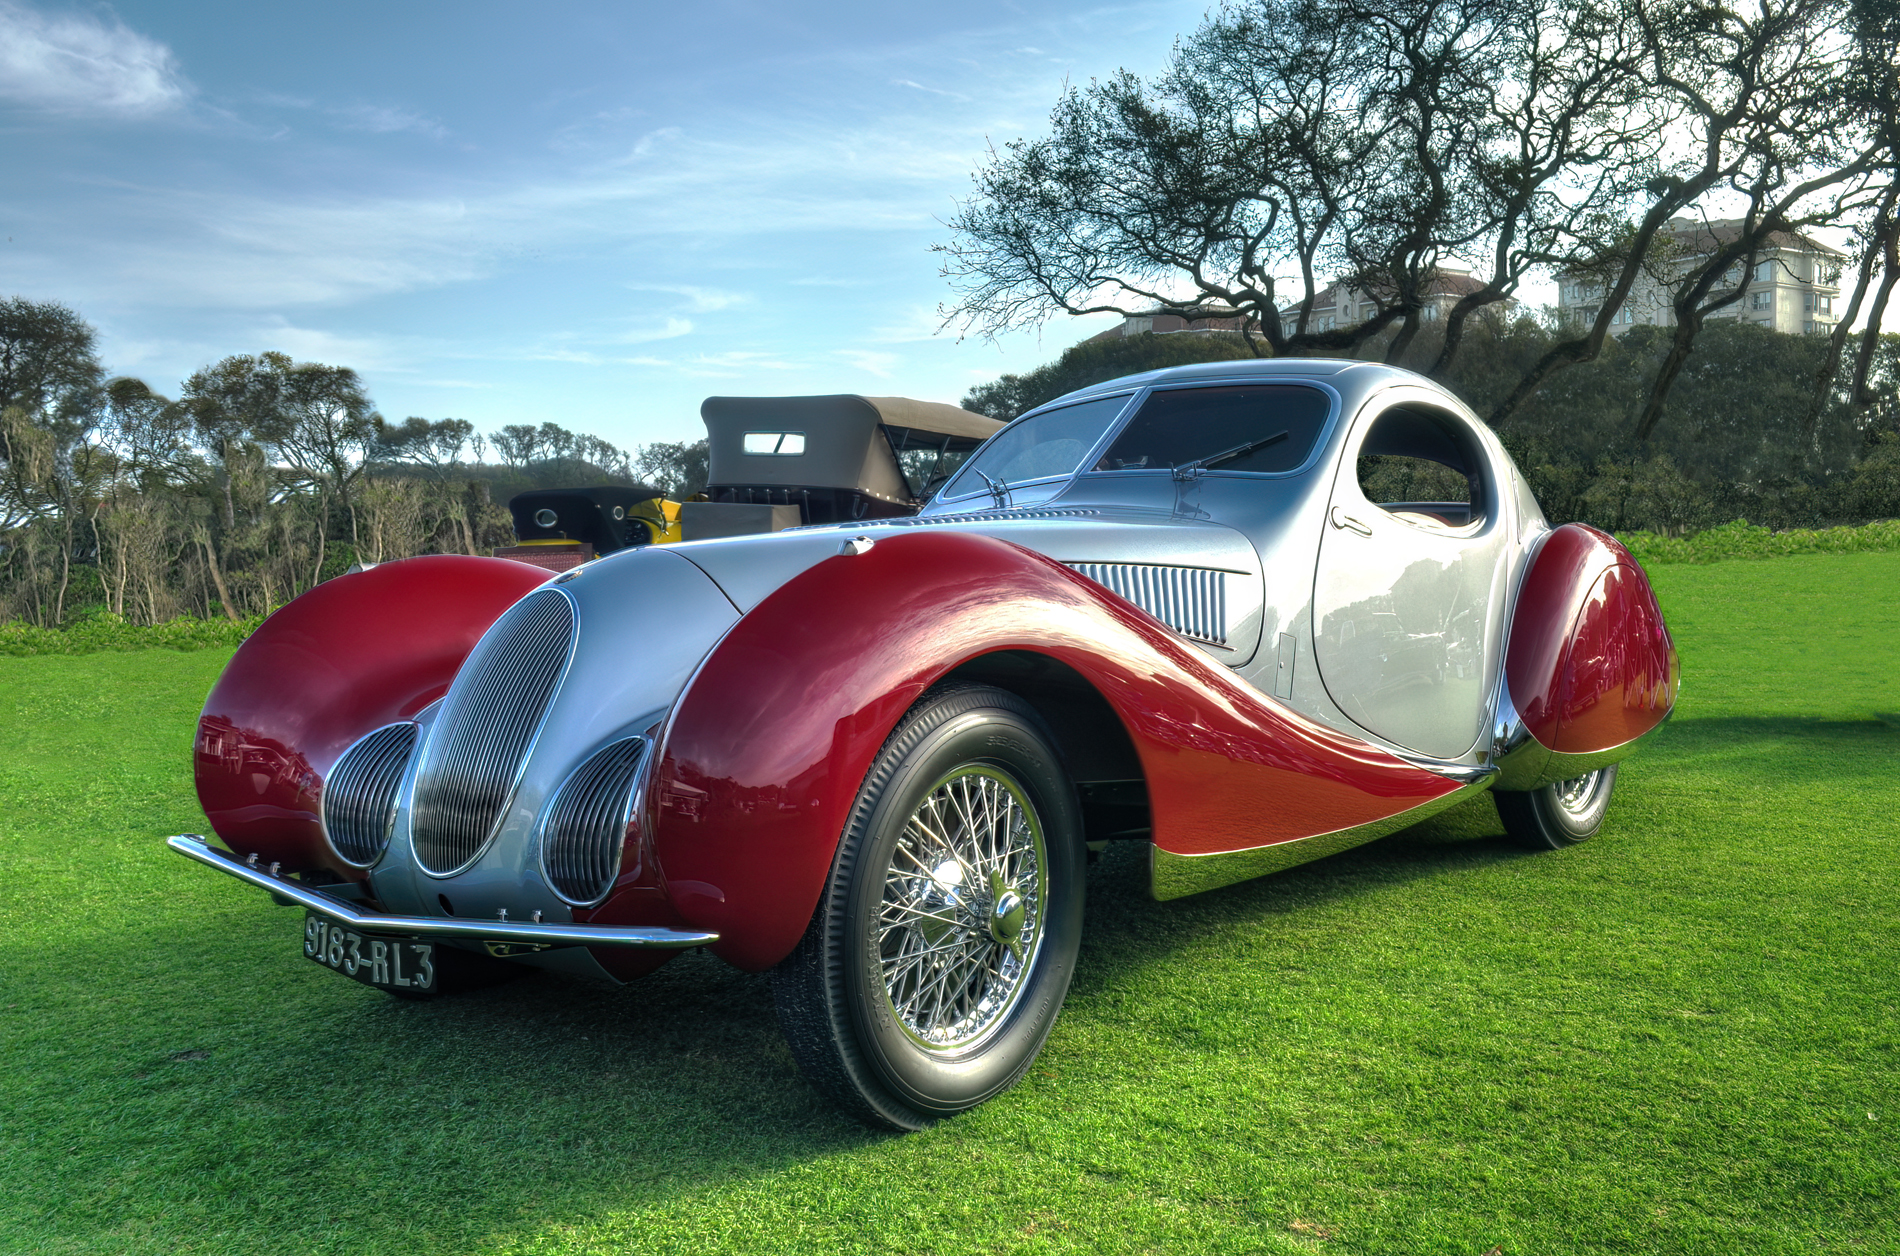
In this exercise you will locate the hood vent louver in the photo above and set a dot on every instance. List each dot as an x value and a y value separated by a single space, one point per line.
489 721
1190 600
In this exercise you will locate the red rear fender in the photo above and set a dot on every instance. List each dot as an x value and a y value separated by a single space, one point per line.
1591 666
349 656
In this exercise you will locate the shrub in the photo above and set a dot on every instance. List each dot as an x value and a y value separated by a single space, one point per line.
1742 539
103 630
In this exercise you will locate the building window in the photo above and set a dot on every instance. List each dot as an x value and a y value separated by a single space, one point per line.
1765 271
1761 300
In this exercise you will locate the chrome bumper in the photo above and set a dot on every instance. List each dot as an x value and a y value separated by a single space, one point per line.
192 846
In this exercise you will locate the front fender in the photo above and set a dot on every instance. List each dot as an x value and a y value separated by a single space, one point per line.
766 750
351 655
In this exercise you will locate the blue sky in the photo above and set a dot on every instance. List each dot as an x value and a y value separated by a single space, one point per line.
590 213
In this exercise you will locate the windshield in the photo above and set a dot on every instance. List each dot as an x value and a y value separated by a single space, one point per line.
927 459
1039 448
1176 426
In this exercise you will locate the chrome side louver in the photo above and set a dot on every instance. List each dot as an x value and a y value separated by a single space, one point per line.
587 826
1190 600
489 721
359 798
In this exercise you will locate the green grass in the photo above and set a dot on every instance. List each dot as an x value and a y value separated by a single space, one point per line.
1680 1037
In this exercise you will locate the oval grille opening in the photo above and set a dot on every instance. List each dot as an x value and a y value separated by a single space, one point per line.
587 825
359 798
489 720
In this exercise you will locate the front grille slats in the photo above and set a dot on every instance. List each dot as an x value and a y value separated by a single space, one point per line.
587 826
1190 600
488 722
359 798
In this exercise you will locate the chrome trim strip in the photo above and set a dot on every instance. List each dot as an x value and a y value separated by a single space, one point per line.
193 846
1176 876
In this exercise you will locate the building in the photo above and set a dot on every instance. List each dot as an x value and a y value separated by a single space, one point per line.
1337 305
1793 288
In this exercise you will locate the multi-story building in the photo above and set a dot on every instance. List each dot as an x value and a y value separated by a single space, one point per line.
1792 289
1337 305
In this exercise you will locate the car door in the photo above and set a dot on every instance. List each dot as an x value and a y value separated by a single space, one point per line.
1409 591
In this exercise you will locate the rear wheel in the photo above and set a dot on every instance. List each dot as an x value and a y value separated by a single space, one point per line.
1560 814
945 939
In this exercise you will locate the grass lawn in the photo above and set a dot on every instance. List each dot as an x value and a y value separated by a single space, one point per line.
1679 1037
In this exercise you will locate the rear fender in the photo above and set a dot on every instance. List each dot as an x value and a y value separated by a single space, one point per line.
350 656
766 750
1591 668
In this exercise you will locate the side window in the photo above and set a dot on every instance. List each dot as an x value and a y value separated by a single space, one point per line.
1424 468
1182 425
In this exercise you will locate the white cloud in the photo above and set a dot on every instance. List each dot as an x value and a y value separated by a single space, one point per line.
698 300
869 361
81 64
387 120
934 91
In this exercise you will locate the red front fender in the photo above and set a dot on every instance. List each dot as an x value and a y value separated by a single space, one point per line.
768 747
349 656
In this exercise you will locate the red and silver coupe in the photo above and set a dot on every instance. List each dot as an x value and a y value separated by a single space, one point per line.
1247 614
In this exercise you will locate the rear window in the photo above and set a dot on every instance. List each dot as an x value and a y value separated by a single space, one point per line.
1181 425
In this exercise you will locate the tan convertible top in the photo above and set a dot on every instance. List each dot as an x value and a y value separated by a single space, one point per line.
843 445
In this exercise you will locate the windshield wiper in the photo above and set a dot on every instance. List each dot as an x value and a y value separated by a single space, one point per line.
1001 491
1189 470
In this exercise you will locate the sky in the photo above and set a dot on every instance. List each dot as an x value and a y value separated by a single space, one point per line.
595 214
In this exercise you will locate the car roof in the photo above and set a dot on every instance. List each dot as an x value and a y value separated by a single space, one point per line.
1277 368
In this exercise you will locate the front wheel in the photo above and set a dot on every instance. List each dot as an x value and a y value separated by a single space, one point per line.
945 939
1560 814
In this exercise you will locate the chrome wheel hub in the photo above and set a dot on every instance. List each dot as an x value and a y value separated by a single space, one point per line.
1577 795
960 921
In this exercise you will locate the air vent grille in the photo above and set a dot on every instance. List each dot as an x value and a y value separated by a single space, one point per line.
488 722
1190 600
986 516
359 798
587 826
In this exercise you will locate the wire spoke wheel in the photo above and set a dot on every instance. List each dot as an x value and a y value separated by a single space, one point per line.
960 923
944 941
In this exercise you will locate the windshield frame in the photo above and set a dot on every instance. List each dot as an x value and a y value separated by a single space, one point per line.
1134 399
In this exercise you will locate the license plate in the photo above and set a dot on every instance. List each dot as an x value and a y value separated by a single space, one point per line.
386 963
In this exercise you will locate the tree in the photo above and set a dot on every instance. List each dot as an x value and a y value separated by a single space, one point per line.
1381 142
1093 361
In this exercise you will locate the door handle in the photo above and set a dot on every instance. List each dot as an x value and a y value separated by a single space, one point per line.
1343 520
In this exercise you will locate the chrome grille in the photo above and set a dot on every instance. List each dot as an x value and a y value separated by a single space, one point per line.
359 798
587 826
1190 600
488 721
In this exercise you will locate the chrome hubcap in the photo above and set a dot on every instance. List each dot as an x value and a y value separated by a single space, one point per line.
960 921
1577 795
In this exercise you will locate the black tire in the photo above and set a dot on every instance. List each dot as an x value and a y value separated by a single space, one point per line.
870 1022
1558 815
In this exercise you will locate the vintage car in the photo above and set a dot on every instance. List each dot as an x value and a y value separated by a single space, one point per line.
1246 614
